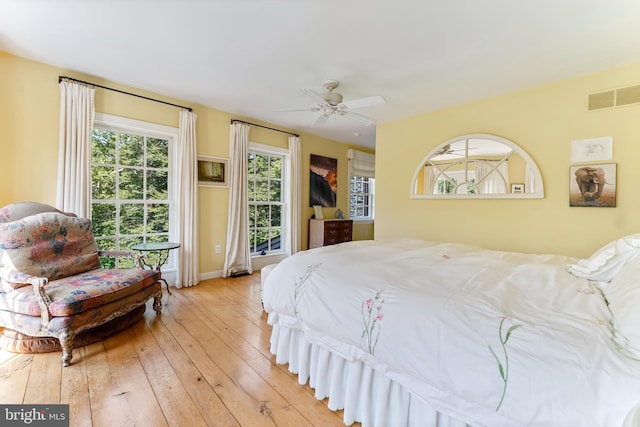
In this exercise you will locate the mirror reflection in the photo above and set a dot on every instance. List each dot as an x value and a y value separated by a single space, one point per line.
480 166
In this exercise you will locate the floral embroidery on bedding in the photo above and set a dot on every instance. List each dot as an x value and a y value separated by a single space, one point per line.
372 316
300 286
503 367
621 342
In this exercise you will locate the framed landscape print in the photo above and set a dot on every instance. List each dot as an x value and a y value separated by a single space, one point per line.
213 171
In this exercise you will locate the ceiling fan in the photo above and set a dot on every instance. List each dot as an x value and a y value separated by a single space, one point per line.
446 149
331 103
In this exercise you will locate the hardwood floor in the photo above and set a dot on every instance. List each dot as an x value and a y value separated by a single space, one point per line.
204 362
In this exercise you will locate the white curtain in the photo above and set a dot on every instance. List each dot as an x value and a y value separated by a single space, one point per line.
187 200
77 110
429 179
492 177
295 178
238 254
361 163
529 180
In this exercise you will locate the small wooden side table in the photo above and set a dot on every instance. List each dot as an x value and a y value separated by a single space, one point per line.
161 250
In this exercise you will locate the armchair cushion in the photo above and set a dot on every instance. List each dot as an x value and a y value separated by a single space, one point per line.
51 245
82 292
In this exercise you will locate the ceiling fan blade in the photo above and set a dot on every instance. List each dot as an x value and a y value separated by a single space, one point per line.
316 97
287 110
365 102
367 121
321 120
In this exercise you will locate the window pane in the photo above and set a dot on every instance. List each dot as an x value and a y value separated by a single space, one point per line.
262 216
274 238
262 165
262 239
128 242
103 148
157 239
131 149
103 219
103 183
261 190
252 216
276 215
131 184
157 185
131 218
250 163
250 190
275 167
275 191
157 153
158 218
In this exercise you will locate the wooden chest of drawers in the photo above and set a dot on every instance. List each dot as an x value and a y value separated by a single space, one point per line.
325 232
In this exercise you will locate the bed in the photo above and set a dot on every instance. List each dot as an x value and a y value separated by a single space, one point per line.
406 332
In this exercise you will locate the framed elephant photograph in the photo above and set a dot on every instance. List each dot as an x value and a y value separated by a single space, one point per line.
593 185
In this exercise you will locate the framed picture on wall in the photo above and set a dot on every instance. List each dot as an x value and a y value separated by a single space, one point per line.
323 181
517 188
592 185
213 171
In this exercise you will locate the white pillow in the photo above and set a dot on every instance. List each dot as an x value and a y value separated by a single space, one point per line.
607 261
623 295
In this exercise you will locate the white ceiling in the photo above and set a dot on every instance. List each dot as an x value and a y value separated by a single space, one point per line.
250 57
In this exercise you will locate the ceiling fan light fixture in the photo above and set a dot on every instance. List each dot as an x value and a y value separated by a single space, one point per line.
332 98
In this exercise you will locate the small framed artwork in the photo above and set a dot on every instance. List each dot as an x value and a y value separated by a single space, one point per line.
593 185
213 171
592 149
517 188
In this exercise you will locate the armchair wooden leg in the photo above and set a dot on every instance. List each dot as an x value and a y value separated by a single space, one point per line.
66 342
157 302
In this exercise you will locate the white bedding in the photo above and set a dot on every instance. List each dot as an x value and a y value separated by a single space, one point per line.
489 338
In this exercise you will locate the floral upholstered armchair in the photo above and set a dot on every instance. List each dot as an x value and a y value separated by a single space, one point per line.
51 281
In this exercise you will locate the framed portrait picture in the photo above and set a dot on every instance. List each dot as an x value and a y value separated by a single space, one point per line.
593 185
213 171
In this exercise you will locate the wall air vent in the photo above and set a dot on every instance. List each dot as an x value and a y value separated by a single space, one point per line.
614 98
602 100
628 95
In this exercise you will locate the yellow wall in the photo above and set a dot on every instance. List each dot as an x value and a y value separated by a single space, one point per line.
543 121
29 110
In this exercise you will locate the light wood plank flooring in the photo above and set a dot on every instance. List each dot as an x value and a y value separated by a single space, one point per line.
204 362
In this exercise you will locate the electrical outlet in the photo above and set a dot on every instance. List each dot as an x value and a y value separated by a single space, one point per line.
218 249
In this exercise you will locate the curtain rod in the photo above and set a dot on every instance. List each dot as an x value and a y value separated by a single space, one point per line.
265 127
60 78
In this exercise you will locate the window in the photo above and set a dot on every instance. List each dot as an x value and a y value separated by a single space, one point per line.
130 186
361 184
447 183
361 197
267 196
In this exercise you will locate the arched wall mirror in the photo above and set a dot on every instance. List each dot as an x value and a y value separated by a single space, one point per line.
477 166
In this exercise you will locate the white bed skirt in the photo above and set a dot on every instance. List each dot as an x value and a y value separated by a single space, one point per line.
366 395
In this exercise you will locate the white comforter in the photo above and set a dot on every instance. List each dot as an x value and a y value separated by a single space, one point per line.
490 338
